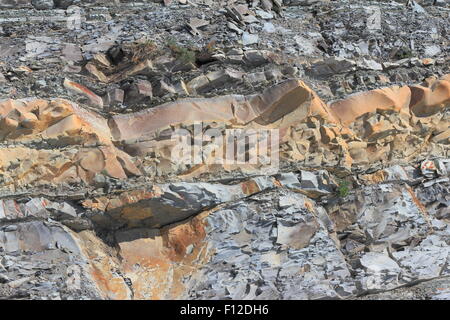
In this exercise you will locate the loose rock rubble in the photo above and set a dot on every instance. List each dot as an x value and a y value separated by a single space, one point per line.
92 205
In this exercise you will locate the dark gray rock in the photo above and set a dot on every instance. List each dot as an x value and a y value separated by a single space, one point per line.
43 4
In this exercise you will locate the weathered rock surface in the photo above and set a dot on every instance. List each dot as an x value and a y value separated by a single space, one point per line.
272 243
380 238
355 132
93 204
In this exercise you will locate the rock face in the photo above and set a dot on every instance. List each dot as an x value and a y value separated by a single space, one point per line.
357 131
94 205
271 244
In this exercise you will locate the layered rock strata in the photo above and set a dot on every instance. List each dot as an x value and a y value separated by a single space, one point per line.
112 230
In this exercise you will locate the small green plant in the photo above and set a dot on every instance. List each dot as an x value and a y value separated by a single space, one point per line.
187 55
343 189
172 44
403 53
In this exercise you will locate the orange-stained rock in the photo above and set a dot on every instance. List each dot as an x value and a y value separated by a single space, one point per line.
180 237
70 125
92 160
158 261
264 109
123 199
37 167
428 101
103 266
278 101
393 98
60 123
394 123
423 101
7 126
51 119
80 89
145 123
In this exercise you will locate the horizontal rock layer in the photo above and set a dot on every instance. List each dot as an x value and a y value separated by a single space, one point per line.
363 129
